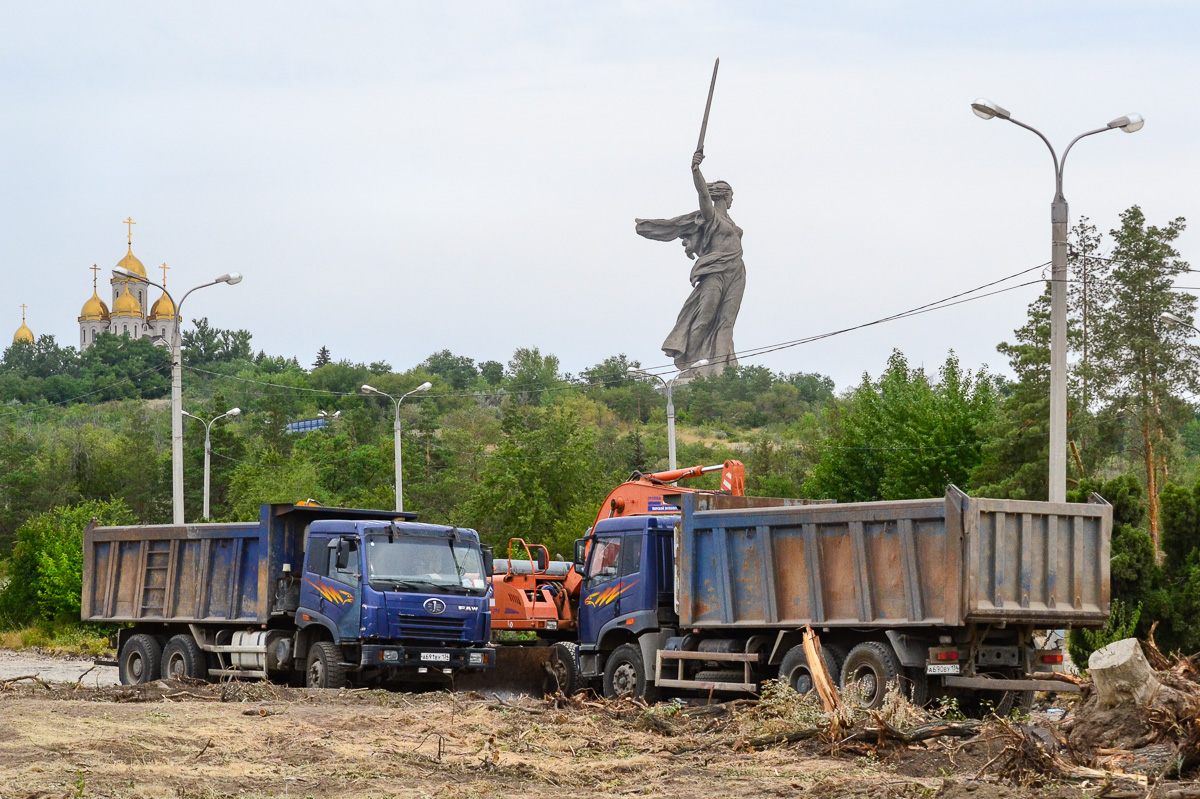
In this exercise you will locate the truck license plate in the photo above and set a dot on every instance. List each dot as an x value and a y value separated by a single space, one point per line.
942 668
442 657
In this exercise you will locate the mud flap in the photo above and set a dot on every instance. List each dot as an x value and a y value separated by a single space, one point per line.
520 670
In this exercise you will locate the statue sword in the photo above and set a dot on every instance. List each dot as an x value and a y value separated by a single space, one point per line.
707 106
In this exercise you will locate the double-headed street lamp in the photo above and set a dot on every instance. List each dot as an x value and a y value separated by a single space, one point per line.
208 446
668 385
986 109
396 430
233 278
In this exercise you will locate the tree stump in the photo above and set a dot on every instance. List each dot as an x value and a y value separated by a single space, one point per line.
1122 675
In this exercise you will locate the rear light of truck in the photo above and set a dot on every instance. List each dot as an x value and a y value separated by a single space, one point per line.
947 656
943 654
1056 657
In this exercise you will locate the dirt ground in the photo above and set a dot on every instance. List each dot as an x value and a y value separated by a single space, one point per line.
170 739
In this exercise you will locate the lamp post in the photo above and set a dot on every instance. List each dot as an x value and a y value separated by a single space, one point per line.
396 430
986 109
668 385
208 446
233 278
1170 317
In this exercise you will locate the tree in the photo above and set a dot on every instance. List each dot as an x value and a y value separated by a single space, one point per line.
531 374
207 344
903 436
458 370
322 357
1144 364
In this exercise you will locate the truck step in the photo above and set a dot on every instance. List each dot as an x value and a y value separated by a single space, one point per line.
261 674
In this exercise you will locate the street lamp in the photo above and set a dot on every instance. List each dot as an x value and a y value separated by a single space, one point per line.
986 109
396 429
232 278
668 385
1170 317
208 446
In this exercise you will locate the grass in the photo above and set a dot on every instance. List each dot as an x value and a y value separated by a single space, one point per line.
76 640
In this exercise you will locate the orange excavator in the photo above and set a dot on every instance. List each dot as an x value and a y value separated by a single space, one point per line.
533 594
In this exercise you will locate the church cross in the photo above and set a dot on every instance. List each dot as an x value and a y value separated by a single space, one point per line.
164 269
23 307
130 223
95 274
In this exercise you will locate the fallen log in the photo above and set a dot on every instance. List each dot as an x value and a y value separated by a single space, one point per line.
874 735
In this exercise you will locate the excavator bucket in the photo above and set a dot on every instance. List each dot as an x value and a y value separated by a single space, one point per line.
534 671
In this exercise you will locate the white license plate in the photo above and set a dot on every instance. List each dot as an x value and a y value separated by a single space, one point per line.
942 668
437 657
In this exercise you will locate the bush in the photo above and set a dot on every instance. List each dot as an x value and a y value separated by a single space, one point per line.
46 569
1122 622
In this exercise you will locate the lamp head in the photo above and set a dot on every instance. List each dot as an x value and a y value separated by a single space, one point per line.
190 416
1130 123
1170 317
321 414
123 272
371 389
700 363
233 278
336 414
986 109
234 412
424 386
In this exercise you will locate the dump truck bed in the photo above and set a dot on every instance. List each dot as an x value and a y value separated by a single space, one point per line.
930 562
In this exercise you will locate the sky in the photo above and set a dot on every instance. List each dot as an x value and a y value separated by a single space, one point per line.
394 179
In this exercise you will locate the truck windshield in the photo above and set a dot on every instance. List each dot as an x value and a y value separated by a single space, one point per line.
423 563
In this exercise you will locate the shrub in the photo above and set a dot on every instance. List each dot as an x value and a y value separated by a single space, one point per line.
1122 621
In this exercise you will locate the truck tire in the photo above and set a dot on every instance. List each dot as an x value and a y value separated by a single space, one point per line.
140 661
794 668
625 675
183 657
325 669
564 668
871 664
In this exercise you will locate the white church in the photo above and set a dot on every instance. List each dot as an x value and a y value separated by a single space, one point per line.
131 313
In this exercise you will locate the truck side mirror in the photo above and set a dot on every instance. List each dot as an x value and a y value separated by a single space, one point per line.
489 564
580 552
543 559
343 554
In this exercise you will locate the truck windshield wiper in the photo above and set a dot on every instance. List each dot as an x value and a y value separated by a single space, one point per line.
413 585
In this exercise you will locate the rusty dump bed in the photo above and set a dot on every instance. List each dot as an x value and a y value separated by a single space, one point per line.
929 562
198 572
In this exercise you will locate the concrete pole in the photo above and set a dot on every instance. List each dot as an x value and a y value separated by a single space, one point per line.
670 425
176 429
1058 350
399 470
207 463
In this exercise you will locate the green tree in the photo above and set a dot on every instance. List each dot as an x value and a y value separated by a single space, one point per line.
531 374
322 357
458 370
1144 364
48 559
903 436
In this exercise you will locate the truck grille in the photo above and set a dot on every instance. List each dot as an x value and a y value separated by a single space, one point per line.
430 628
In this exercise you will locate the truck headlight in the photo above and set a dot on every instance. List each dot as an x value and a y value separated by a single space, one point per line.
551 625
391 655
476 659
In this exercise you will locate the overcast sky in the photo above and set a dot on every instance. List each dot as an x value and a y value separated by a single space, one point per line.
395 179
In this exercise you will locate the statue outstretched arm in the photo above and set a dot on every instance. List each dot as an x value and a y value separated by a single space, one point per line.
706 204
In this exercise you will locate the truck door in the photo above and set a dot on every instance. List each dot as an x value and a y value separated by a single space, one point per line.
600 587
333 590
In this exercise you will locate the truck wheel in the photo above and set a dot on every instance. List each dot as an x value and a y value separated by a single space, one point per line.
183 657
871 664
140 660
564 668
325 669
625 675
794 668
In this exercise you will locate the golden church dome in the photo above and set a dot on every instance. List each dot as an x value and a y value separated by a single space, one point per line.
163 308
127 304
94 310
131 263
23 334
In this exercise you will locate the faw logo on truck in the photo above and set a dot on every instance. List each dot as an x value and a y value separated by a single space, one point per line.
602 598
332 594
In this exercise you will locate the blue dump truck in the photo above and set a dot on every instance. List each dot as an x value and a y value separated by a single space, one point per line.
940 596
307 595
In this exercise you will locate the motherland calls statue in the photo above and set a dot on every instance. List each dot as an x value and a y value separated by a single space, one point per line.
704 329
